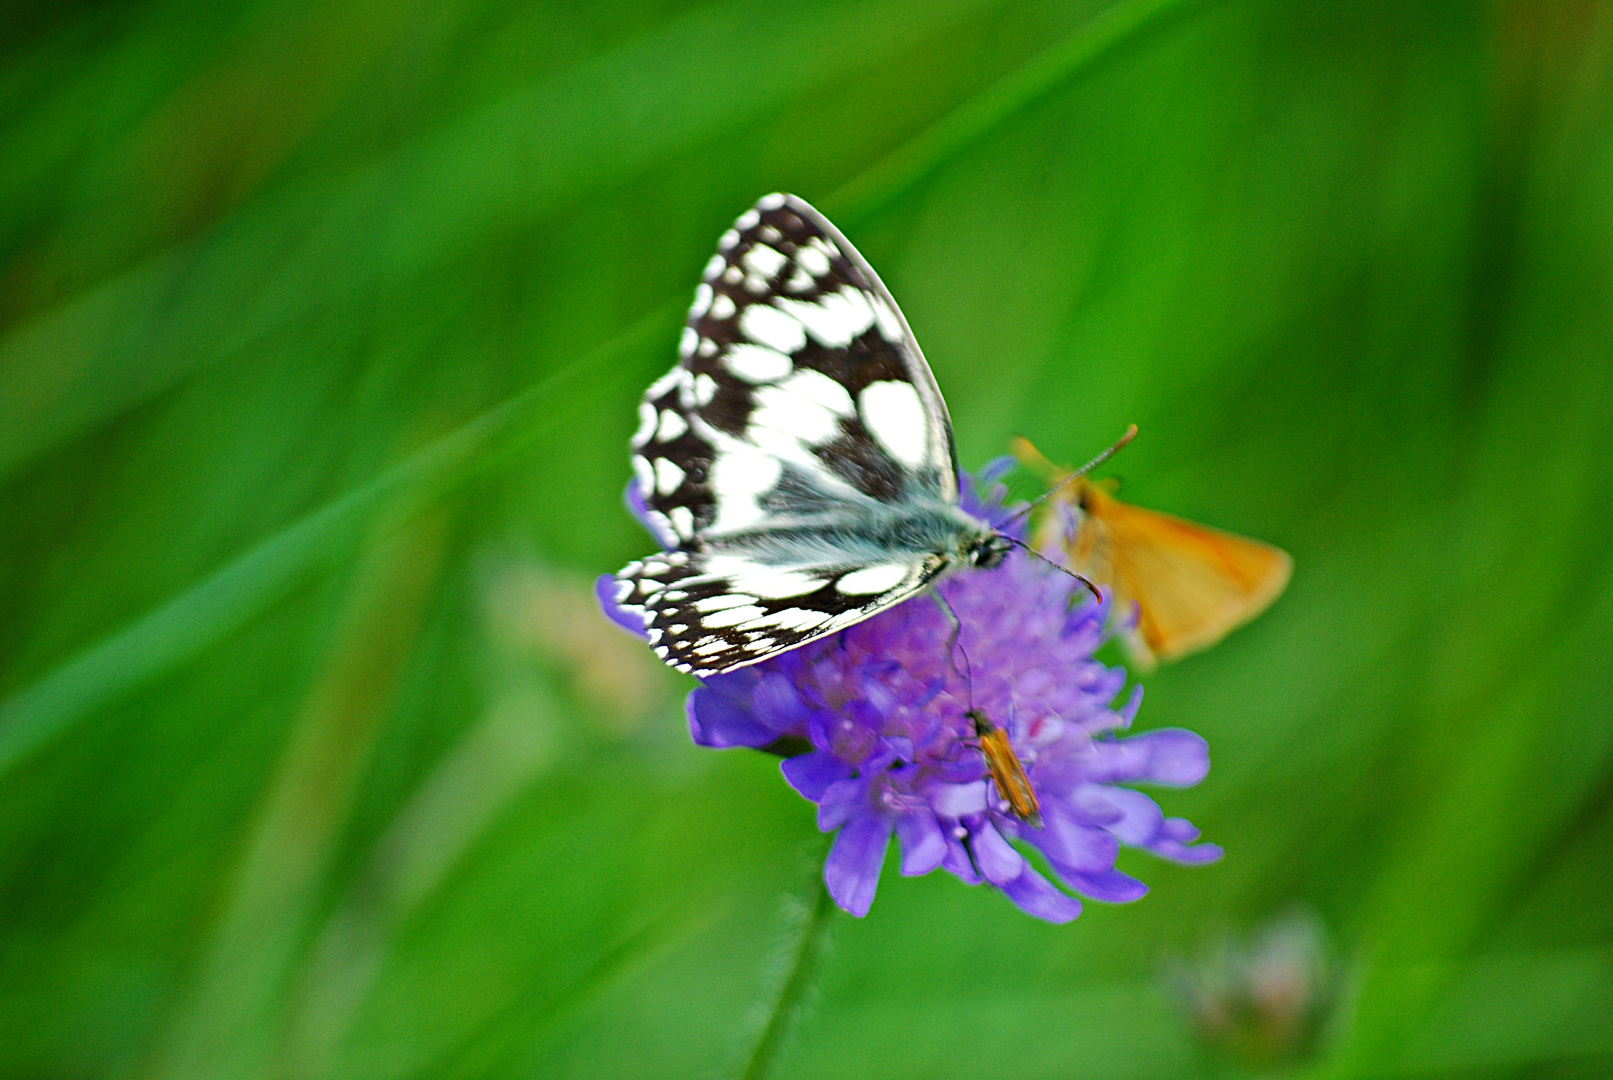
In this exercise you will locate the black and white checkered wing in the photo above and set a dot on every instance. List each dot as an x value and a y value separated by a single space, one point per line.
801 409
795 367
707 613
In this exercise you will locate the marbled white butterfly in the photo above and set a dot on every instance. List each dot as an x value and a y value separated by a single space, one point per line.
798 460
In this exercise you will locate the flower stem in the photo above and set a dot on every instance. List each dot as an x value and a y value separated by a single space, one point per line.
797 986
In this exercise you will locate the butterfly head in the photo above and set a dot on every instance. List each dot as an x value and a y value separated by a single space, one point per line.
991 550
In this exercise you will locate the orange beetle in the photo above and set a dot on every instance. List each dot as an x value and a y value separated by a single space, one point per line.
1006 771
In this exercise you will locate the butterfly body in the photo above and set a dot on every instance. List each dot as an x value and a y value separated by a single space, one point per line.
938 534
797 461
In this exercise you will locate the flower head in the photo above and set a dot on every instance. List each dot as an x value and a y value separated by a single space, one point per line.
890 748
1266 999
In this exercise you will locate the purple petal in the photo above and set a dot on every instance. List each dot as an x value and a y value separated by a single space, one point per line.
994 470
1177 852
959 800
1110 886
842 801
1176 828
1128 711
923 845
811 774
605 593
1069 842
1171 757
719 721
852 734
957 860
1035 896
1140 817
995 856
778 706
852 869
1091 805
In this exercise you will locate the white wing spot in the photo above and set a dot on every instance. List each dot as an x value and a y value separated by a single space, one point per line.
667 475
733 616
687 341
705 388
819 389
714 267
776 409
872 579
719 603
773 584
771 201
710 645
624 589
666 383
836 319
747 220
771 327
645 473
682 519
763 260
798 619
733 275
770 234
755 284
646 424
890 325
761 644
740 476
707 348
757 364
800 281
678 629
894 414
722 307
655 568
728 240
812 261
672 426
702 301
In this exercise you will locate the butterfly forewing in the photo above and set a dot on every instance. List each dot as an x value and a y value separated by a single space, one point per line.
799 434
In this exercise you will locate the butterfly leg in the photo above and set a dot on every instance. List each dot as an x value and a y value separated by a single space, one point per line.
954 648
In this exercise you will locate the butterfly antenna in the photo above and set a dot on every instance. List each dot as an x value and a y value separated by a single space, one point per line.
1131 433
1091 588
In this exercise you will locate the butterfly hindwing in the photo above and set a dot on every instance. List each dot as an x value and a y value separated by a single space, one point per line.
706 613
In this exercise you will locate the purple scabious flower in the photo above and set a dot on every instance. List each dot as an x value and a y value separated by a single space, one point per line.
880 715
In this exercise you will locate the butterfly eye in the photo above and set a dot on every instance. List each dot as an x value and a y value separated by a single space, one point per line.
992 551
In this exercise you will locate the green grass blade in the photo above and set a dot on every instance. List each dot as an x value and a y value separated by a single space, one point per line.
184 627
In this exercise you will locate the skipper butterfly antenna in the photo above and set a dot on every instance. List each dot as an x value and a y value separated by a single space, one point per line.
1130 434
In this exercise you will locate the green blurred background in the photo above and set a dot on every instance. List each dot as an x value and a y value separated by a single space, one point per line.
321 330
